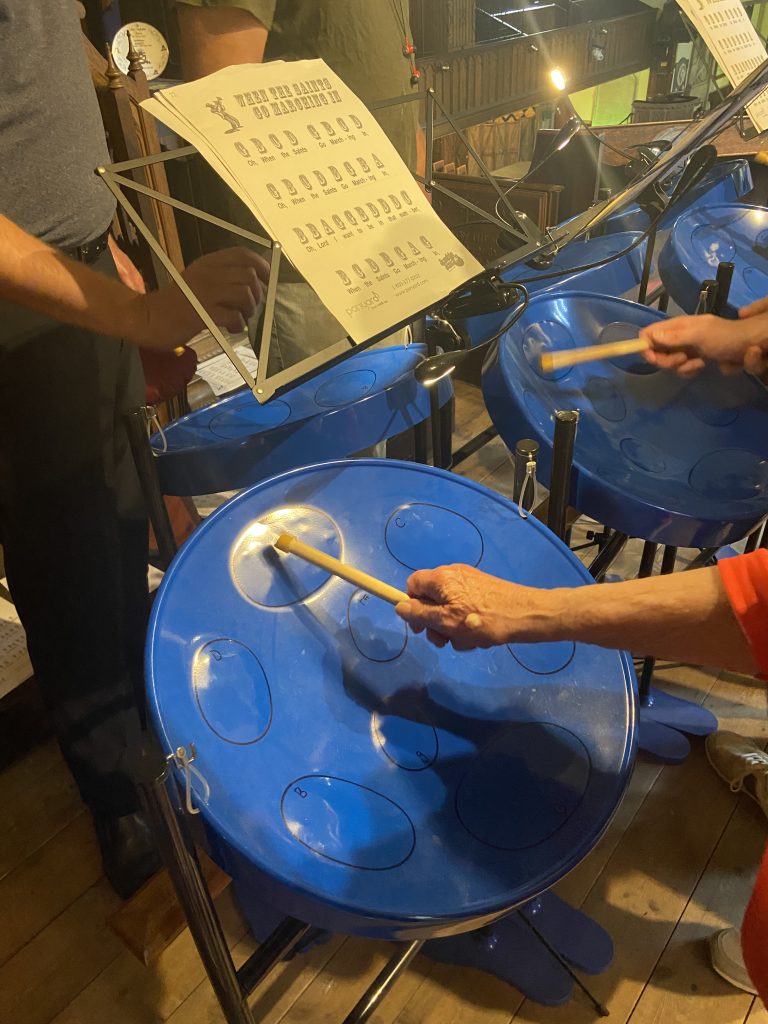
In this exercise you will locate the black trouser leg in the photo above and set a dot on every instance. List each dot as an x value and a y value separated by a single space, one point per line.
74 532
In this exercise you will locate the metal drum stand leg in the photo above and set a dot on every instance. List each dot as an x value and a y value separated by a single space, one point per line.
537 948
160 798
665 719
137 424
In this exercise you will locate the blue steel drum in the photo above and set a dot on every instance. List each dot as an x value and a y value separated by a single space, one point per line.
703 238
616 277
727 182
360 779
233 443
670 460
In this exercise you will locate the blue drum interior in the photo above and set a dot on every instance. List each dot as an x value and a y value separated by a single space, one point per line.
677 461
361 779
704 237
726 182
619 274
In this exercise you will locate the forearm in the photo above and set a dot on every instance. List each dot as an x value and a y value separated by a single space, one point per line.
682 617
212 38
44 280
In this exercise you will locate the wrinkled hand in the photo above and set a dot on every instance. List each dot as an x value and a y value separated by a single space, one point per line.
465 607
686 343
230 284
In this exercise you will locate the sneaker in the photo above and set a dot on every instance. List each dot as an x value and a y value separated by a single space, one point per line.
725 951
741 764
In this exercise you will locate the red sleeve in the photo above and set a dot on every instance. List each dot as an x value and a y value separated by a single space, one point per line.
745 579
754 933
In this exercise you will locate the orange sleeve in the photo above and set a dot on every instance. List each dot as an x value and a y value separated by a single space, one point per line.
754 933
745 579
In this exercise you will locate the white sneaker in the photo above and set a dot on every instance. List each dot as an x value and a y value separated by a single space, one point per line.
725 951
741 764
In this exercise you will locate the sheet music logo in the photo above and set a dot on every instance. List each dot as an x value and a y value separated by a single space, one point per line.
451 260
369 303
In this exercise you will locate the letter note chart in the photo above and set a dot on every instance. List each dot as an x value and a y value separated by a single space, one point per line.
315 168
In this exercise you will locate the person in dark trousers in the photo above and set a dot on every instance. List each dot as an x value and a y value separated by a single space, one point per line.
72 521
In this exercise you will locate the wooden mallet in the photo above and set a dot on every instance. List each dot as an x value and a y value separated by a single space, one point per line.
287 543
550 361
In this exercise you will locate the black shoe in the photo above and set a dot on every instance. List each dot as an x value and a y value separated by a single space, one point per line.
128 852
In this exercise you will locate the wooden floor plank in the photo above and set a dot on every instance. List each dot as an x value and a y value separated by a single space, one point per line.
332 994
38 761
471 415
353 967
35 812
451 995
46 883
127 992
50 971
757 1015
683 988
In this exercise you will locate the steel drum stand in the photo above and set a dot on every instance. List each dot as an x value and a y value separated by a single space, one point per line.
534 948
664 719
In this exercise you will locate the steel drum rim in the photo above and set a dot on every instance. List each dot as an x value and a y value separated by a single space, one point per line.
462 920
227 444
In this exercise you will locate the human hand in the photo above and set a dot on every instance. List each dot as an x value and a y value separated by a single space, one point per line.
686 343
127 270
166 374
465 607
230 285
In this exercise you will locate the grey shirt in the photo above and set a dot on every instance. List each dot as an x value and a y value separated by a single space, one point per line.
51 135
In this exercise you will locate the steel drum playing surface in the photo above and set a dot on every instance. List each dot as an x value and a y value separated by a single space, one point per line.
361 779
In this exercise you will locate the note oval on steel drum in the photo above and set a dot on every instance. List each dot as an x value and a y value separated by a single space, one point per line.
347 823
407 743
420 535
232 691
344 814
670 460
523 786
377 632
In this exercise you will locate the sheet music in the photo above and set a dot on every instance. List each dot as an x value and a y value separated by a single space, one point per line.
731 38
221 376
15 665
318 172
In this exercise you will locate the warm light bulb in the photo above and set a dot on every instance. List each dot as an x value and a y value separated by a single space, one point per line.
557 78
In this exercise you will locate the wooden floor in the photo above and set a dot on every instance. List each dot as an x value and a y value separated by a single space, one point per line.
676 863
